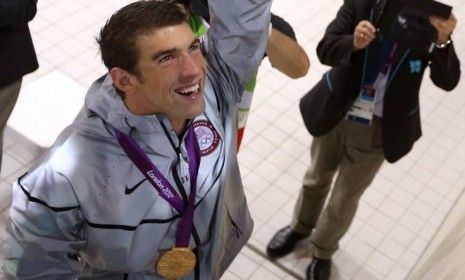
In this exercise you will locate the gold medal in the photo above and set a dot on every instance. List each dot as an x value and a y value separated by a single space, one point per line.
176 263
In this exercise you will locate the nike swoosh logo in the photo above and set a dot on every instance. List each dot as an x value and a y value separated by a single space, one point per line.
130 190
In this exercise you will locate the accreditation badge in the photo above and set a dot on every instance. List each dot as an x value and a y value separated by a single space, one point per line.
363 107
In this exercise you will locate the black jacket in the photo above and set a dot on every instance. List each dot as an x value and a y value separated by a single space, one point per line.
324 106
17 55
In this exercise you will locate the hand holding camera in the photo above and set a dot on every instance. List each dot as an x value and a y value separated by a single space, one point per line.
444 27
364 33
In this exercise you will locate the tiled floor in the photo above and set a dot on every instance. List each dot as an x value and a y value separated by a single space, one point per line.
398 215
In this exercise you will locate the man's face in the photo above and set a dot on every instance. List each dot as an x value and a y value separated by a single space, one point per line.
172 73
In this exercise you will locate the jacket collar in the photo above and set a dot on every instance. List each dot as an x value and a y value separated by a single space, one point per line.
153 131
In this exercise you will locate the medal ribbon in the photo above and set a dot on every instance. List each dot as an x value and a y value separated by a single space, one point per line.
162 185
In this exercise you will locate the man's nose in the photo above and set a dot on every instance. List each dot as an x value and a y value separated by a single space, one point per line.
191 66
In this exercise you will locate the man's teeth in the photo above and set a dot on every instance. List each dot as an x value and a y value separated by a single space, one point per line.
189 90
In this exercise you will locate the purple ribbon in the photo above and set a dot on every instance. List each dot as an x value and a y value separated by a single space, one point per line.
162 185
389 60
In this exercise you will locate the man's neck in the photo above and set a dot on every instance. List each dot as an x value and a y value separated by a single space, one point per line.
177 124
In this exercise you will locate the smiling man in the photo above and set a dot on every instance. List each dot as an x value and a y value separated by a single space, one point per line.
147 185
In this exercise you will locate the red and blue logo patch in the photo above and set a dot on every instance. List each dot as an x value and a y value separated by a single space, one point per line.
207 136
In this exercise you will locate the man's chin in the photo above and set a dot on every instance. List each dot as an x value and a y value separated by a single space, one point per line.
200 110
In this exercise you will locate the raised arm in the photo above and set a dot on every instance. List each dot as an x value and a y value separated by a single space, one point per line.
337 46
283 51
239 32
445 65
17 12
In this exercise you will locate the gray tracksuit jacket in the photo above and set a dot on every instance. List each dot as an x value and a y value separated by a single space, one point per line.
85 210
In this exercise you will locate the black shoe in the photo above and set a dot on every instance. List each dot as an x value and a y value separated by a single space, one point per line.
319 269
283 242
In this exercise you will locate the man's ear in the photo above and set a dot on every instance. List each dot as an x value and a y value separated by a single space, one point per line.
122 79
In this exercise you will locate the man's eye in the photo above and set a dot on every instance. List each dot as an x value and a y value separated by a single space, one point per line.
194 47
166 58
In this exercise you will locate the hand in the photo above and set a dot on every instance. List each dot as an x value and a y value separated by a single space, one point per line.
364 33
445 27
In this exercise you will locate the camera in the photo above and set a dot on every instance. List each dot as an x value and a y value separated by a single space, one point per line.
406 22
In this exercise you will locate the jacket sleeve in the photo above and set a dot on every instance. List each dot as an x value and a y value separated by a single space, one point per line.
445 68
336 47
283 26
44 234
17 12
236 43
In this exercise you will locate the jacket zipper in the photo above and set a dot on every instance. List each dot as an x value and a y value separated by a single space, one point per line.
179 184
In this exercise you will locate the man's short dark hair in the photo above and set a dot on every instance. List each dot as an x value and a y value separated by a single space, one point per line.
186 3
117 38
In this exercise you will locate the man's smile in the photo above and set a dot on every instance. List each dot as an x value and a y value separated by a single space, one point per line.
189 90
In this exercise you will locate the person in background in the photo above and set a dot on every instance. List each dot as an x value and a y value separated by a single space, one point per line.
17 55
283 51
285 54
147 184
363 111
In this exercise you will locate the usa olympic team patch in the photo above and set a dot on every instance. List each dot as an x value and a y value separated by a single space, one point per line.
207 136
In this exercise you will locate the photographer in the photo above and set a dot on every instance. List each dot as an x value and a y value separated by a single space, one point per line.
363 111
